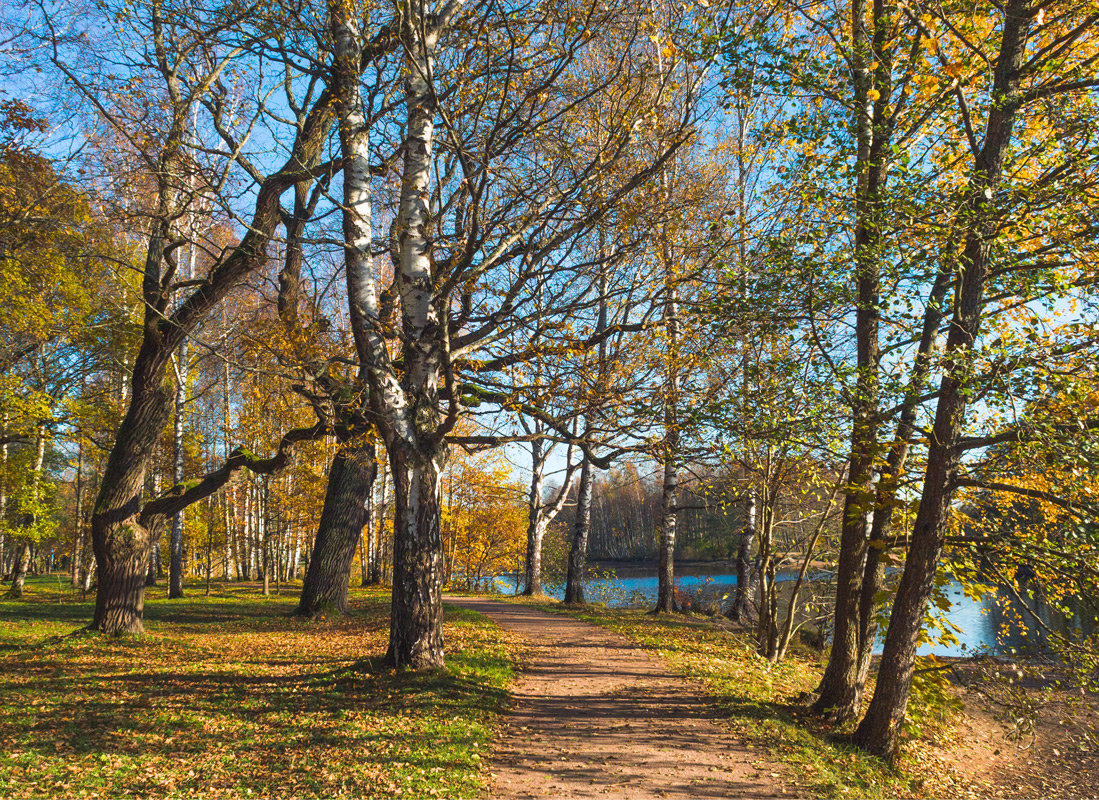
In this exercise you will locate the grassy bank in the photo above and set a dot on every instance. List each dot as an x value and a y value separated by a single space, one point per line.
230 695
762 704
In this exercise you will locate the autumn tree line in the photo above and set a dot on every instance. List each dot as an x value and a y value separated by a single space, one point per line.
294 286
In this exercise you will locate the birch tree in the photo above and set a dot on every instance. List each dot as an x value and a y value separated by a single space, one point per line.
479 228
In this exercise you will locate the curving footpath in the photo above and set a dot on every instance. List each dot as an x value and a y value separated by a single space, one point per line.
595 715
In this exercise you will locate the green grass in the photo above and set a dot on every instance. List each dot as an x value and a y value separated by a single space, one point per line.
232 696
762 703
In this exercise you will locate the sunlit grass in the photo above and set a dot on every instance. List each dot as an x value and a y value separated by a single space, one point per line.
763 705
230 695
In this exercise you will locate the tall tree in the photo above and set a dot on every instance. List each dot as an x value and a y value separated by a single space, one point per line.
474 245
185 64
1021 82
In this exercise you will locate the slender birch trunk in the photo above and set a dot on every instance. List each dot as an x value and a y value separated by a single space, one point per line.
739 609
29 516
3 489
541 513
379 559
175 542
78 532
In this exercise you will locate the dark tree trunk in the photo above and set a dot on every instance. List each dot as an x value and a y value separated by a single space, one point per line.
532 565
665 591
578 552
879 730
350 482
121 543
120 540
840 691
154 564
840 694
416 624
886 503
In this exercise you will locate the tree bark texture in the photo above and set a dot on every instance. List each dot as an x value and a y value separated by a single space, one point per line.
350 482
879 730
416 623
578 550
739 609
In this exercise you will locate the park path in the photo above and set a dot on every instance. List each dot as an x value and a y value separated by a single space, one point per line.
594 715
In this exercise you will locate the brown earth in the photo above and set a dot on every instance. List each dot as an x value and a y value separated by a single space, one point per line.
594 715
1030 737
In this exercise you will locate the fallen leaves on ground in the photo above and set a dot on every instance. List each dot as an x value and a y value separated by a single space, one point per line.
234 696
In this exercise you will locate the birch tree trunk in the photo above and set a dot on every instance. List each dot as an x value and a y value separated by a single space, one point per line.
541 513
3 489
263 536
379 551
739 609
175 542
665 594
406 402
78 515
29 516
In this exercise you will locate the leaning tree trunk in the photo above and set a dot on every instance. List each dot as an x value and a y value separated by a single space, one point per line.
879 730
120 542
120 539
350 482
886 503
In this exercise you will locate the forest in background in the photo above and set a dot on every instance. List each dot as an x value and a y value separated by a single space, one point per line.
290 288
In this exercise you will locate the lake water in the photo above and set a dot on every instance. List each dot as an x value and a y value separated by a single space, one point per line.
991 624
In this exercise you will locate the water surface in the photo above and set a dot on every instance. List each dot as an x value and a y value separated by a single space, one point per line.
993 624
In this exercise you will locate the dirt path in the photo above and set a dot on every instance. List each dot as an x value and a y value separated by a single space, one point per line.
594 715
